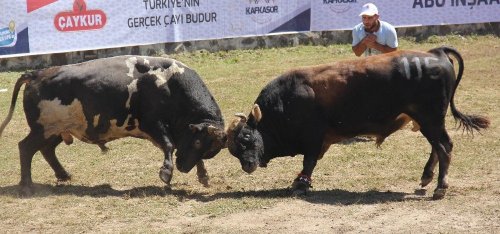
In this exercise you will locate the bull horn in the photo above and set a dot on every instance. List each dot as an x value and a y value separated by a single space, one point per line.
211 129
257 114
219 134
242 116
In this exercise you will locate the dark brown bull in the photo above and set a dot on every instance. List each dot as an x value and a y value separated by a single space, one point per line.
306 110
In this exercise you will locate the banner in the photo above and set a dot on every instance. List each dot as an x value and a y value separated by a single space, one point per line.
72 25
29 27
344 14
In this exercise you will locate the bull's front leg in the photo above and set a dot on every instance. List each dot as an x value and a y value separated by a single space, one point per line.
162 140
302 184
202 173
167 170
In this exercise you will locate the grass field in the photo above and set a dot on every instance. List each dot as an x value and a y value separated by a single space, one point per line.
357 187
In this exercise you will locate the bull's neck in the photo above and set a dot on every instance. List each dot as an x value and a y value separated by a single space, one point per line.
273 145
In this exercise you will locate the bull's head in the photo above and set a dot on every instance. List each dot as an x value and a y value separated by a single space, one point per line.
202 141
245 142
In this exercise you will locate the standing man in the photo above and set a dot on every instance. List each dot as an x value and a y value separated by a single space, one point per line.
373 36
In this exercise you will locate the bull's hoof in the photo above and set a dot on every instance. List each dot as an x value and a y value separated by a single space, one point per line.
204 180
166 175
104 148
424 181
301 186
300 189
63 178
439 194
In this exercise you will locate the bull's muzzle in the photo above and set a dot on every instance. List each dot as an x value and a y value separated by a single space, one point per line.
184 167
249 167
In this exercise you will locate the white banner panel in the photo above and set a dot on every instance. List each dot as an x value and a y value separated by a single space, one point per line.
69 25
344 14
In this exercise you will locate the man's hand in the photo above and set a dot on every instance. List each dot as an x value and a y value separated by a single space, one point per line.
370 41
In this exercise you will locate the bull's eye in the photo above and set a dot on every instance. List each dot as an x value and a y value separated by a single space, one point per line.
197 144
246 137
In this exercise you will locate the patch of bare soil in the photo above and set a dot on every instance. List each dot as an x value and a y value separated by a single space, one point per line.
381 212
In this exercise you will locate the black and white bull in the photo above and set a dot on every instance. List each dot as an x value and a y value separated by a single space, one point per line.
306 110
153 98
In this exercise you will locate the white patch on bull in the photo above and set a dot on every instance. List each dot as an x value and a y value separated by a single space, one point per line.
163 75
58 119
406 65
427 61
96 120
418 66
131 62
159 73
182 64
115 131
132 88
146 61
416 60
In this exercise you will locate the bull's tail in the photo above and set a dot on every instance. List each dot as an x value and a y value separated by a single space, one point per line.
468 123
25 78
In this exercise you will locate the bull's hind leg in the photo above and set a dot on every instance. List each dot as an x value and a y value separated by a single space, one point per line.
49 153
428 173
27 149
441 143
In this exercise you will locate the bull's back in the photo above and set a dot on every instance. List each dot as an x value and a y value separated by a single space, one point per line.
366 95
93 101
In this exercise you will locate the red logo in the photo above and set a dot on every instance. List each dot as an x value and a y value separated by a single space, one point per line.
32 5
80 18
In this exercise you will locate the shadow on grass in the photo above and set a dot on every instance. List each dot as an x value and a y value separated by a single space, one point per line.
333 197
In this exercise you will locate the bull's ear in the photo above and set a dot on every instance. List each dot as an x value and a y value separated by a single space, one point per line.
257 114
195 127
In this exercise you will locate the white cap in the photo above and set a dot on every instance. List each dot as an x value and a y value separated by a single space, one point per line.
369 9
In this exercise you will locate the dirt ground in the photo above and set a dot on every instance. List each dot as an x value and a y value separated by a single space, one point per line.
466 209
383 212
